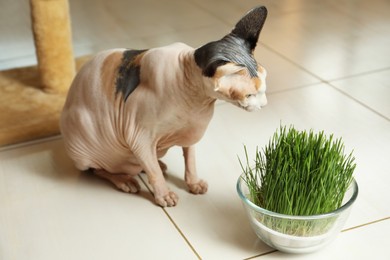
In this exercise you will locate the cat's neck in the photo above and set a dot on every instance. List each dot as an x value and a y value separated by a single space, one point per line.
196 87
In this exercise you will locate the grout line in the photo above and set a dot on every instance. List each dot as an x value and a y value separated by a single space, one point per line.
293 88
29 143
345 230
318 77
212 14
8 59
365 73
181 233
262 254
366 224
174 223
328 82
358 101
294 63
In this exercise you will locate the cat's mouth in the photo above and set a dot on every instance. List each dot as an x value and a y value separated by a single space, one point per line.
252 103
250 108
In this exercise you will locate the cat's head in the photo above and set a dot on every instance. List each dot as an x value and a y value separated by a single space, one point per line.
229 62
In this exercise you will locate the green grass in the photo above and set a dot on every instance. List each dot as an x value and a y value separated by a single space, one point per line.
299 173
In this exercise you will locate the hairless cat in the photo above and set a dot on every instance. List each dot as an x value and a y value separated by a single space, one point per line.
126 108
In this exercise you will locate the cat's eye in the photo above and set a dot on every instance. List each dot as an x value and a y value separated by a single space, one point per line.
250 95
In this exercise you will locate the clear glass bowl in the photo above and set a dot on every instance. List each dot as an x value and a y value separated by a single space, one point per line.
296 234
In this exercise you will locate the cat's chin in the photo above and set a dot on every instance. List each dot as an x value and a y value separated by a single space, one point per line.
249 108
250 104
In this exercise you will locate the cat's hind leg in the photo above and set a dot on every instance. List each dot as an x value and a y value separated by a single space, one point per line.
124 182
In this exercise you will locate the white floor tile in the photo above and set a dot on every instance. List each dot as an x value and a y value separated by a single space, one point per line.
281 74
215 223
329 43
372 90
118 19
194 38
352 244
51 211
218 219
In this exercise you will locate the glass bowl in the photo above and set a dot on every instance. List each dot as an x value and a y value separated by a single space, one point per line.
296 234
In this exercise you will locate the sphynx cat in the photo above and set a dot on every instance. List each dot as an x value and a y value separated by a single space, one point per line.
126 108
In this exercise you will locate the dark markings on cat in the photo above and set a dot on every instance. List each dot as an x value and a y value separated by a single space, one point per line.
229 49
236 47
128 77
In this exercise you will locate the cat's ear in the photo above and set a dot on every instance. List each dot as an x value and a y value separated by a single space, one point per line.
249 27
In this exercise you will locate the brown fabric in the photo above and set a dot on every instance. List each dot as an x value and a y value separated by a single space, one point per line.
27 112
32 98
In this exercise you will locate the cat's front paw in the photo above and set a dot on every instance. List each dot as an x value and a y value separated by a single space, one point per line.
199 187
169 200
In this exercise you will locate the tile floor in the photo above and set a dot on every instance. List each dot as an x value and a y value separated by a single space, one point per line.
329 69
